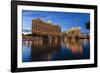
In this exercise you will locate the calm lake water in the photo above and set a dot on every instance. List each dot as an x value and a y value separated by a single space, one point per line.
55 50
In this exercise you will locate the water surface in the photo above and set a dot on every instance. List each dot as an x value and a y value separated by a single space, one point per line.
69 49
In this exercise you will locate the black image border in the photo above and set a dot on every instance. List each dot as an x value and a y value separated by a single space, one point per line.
14 5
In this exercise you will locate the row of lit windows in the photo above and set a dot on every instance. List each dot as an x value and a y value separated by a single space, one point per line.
44 28
47 26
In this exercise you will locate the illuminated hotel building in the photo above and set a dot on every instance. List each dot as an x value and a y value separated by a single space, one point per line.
71 33
74 31
40 27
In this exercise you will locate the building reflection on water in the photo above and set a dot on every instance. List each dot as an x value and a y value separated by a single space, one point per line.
75 45
49 50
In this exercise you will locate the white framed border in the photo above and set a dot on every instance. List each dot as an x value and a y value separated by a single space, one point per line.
52 63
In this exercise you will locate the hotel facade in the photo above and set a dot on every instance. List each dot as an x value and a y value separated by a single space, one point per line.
42 28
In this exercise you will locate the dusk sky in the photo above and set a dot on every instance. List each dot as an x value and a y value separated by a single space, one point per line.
66 20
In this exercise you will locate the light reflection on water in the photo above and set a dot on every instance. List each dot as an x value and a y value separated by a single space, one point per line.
69 49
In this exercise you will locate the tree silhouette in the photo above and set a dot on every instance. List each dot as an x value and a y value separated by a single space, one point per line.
87 25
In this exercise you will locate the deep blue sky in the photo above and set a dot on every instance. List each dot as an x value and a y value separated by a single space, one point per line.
65 19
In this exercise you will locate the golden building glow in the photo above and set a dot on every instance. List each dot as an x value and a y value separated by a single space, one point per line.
40 27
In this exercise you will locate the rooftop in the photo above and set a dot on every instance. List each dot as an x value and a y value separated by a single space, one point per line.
48 23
